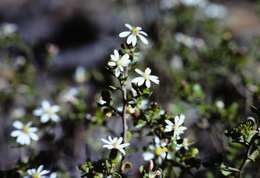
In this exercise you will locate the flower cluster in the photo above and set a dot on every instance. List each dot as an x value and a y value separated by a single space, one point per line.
135 103
24 133
119 63
129 120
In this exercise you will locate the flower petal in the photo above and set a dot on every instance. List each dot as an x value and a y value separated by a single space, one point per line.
117 72
169 122
45 118
148 156
55 108
111 64
33 129
143 39
139 71
129 39
45 104
105 141
125 60
44 172
139 28
55 118
40 168
138 80
148 83
15 133
147 71
124 34
157 141
119 141
154 79
122 150
34 136
143 33
128 26
18 124
38 112
134 40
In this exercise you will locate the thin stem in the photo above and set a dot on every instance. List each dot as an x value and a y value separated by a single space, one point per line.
124 117
246 159
125 104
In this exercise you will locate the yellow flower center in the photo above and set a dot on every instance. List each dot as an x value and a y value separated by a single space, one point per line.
36 175
26 130
119 62
134 31
159 150
115 145
49 111
146 76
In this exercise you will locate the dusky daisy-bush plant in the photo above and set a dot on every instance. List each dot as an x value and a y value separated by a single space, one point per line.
167 132
168 153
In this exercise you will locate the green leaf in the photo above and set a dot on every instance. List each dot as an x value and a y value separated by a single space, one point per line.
226 170
141 169
243 132
253 156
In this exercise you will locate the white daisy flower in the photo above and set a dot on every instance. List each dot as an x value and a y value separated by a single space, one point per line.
118 62
133 34
37 173
157 150
146 78
176 126
115 143
69 95
24 133
47 112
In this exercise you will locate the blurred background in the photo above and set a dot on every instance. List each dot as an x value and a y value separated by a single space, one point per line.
205 52
80 26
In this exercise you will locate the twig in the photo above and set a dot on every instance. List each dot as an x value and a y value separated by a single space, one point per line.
246 159
124 116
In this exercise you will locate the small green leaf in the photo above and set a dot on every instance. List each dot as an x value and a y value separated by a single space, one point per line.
253 156
226 171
